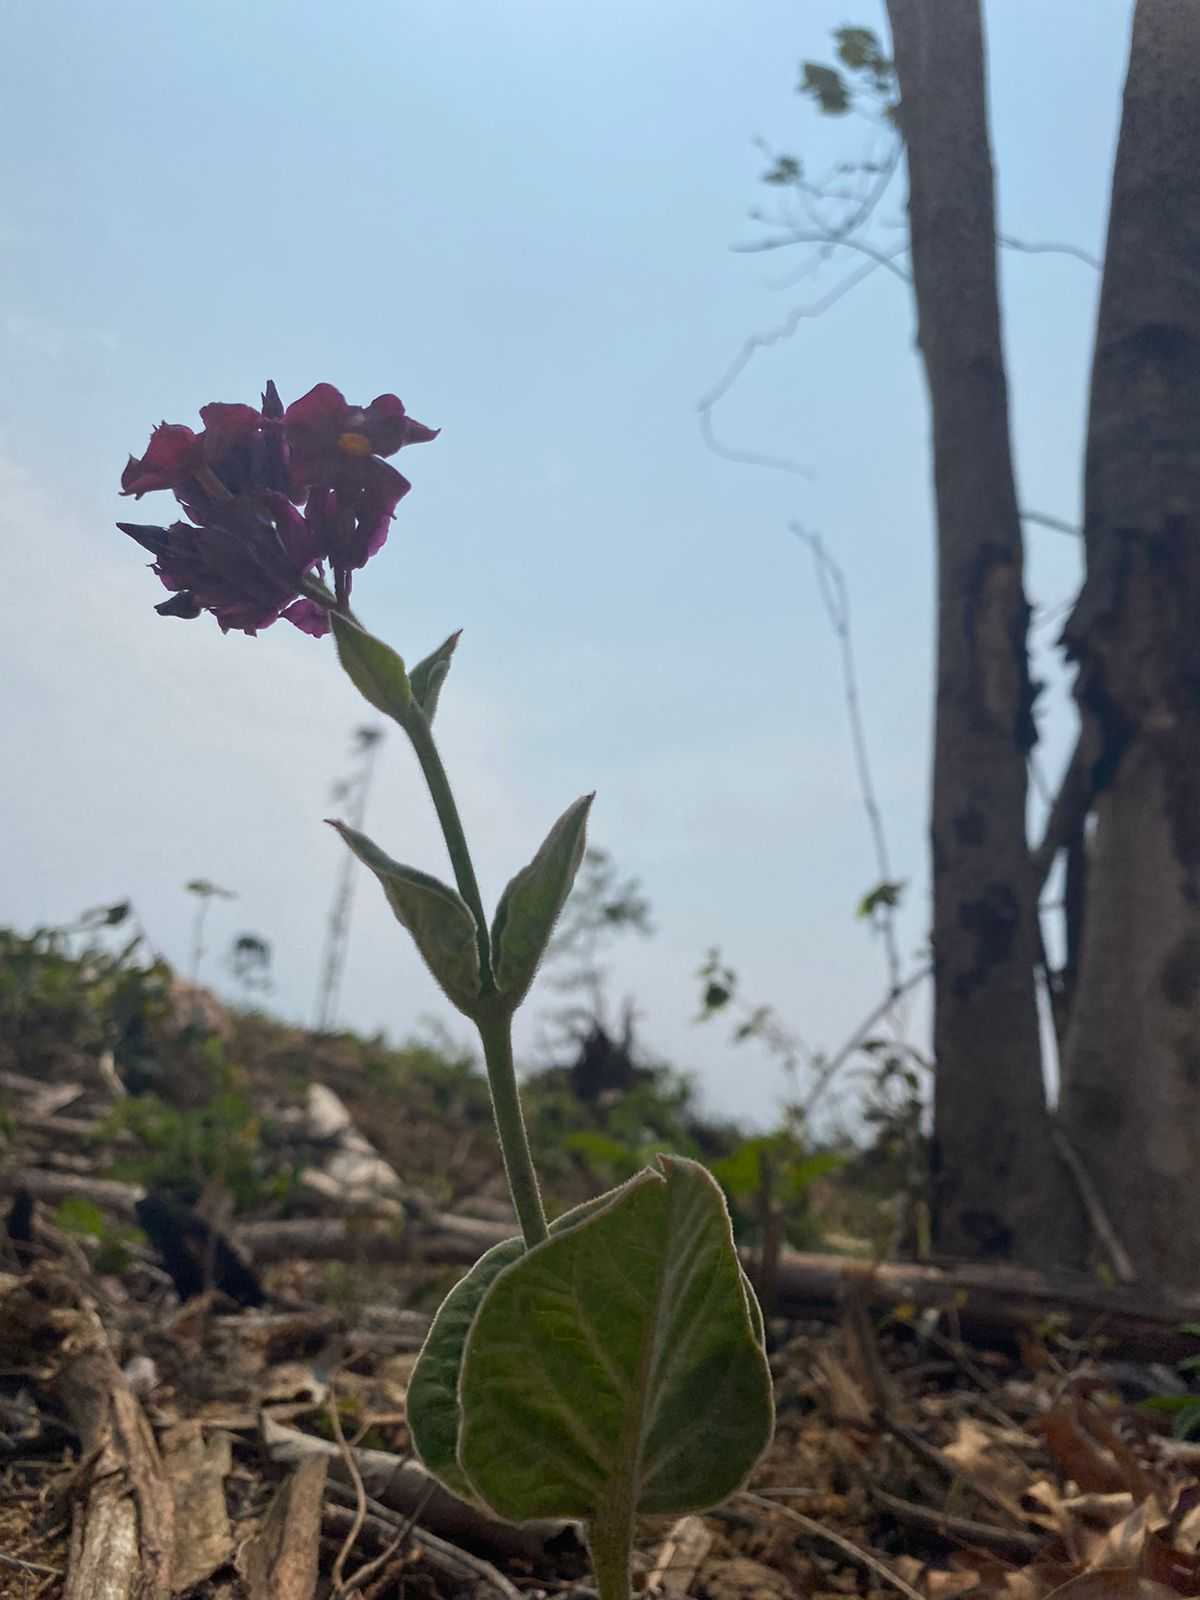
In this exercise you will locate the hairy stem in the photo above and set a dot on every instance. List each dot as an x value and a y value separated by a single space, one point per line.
495 1030
493 1021
610 1540
421 736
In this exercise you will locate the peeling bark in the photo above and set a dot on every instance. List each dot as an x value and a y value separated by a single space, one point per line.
1131 1073
997 1188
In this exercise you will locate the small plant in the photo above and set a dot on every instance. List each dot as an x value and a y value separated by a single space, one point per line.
84 989
1183 1406
250 964
215 1138
113 1242
610 1363
205 892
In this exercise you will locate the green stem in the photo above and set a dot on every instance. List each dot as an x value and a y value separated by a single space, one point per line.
494 1021
421 735
495 1030
610 1539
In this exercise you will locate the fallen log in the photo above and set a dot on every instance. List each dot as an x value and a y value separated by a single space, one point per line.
989 1302
404 1486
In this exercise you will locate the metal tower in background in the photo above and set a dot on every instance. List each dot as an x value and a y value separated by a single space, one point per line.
351 791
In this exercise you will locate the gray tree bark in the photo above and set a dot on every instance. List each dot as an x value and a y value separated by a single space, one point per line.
1131 1073
998 1189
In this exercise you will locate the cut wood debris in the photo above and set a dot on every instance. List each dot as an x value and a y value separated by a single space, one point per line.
165 1425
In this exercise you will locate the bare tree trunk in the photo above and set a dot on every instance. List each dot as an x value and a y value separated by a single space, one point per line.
997 1187
1131 1074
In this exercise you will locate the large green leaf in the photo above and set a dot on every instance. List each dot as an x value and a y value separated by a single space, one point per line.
374 668
432 1407
438 918
530 905
618 1364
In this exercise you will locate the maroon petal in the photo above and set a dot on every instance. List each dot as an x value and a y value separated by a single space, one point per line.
323 408
171 456
308 616
389 427
182 604
228 425
152 539
272 405
379 497
299 540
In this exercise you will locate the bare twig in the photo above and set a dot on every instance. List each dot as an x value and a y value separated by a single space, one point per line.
941 1463
360 1493
762 341
1067 811
22 1565
883 258
381 1525
834 591
1003 1541
818 1530
1044 520
1036 248
1097 1216
861 1033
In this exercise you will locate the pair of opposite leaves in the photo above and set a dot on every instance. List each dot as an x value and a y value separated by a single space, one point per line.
438 918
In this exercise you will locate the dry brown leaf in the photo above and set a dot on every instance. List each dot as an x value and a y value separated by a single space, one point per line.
1178 1569
847 1401
1081 1456
941 1584
1121 1545
1113 1583
743 1579
977 1451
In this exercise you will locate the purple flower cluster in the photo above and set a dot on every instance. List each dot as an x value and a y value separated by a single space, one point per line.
248 548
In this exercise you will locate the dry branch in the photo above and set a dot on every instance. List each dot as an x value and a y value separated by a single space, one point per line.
380 1528
122 1542
405 1487
280 1561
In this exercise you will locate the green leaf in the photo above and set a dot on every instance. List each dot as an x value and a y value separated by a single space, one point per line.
740 1172
437 916
529 907
432 1403
826 86
786 172
427 677
76 1215
884 896
373 667
859 49
1167 1404
601 1150
618 1364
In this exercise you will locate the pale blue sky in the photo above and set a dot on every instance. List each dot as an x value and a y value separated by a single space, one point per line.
517 217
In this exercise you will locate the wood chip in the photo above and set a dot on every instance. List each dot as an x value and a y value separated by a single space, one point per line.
279 1562
196 1469
680 1557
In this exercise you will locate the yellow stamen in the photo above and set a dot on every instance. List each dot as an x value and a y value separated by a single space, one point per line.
354 444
